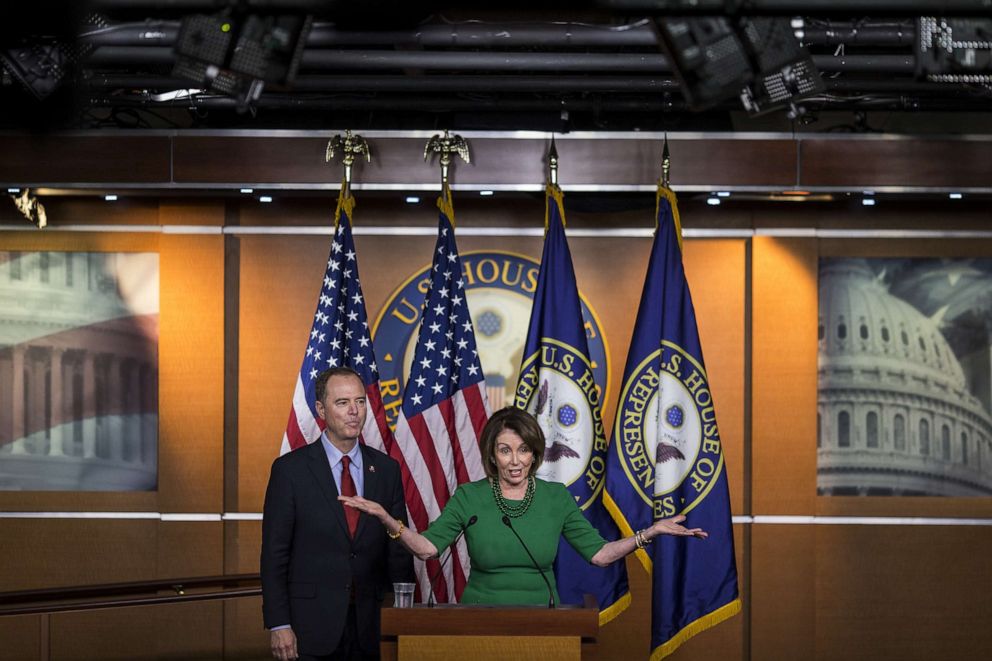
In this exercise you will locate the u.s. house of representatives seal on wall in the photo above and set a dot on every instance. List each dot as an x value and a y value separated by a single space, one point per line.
500 288
666 432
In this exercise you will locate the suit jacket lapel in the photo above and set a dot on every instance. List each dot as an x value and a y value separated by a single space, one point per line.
372 486
321 469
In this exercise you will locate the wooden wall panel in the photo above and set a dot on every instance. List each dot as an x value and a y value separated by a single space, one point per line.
184 631
191 374
21 637
903 592
782 599
49 553
201 544
783 368
894 161
244 636
85 158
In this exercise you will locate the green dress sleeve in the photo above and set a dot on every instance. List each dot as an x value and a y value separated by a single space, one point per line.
443 530
578 532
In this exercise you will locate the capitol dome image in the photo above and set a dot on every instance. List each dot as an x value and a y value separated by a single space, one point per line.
78 371
896 412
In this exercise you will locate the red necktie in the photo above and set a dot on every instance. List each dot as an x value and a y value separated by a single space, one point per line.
348 489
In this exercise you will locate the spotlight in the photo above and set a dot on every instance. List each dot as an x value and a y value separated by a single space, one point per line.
238 54
868 201
723 193
713 201
247 191
413 199
265 198
110 198
955 196
486 193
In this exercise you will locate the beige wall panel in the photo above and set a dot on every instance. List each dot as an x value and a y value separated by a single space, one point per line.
48 553
192 212
782 597
190 548
191 374
783 427
716 273
903 592
20 638
173 631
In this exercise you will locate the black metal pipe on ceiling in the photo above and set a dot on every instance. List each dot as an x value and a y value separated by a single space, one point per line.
450 84
406 103
373 60
506 35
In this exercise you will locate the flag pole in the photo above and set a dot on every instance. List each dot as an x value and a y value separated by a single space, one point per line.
666 165
665 191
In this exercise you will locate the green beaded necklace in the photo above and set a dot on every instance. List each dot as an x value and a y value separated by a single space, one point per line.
518 510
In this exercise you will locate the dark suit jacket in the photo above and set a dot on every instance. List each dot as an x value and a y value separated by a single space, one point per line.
310 565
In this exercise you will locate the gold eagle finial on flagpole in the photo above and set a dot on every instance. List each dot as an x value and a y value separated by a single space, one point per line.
445 146
350 146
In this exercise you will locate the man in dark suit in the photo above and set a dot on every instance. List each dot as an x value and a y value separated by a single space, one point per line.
325 570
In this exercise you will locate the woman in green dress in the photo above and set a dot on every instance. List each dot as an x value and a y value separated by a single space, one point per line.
541 512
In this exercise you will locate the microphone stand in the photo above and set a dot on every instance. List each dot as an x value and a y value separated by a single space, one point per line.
551 593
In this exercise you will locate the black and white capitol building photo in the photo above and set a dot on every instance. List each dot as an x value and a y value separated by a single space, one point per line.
904 377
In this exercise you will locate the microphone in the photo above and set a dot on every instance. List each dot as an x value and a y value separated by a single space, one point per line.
430 597
551 593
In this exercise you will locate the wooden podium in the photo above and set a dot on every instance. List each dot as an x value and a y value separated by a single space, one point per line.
484 633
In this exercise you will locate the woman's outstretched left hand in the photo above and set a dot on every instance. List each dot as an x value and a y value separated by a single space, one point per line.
673 526
361 504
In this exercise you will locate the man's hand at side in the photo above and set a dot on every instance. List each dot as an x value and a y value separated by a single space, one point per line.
283 644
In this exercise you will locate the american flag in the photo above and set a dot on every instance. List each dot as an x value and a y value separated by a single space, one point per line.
339 337
444 407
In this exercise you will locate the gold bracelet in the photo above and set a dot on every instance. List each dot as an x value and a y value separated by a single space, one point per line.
398 533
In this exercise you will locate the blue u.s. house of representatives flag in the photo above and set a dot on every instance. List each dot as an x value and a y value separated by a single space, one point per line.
556 385
666 459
